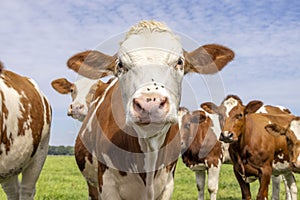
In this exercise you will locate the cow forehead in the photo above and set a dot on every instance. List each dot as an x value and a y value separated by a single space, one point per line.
83 86
295 127
150 48
229 104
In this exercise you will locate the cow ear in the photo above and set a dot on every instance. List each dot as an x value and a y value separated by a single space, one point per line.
92 64
207 59
210 107
275 129
253 106
61 85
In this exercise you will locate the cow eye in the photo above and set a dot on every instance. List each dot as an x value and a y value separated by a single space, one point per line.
121 68
120 65
71 90
239 116
187 126
180 61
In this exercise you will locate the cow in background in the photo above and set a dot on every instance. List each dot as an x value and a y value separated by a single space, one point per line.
254 152
292 134
131 130
201 150
82 92
24 134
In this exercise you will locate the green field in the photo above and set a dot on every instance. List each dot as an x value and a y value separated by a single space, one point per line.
61 180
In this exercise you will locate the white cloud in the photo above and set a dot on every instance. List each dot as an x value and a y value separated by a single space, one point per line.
37 38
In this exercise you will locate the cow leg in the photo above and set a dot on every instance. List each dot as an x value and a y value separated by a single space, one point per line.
291 187
11 188
168 191
200 181
93 192
245 187
276 187
213 181
32 172
264 180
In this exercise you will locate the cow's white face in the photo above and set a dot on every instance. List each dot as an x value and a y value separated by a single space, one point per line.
81 92
150 71
150 65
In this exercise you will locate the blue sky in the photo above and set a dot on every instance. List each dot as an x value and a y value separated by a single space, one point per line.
38 37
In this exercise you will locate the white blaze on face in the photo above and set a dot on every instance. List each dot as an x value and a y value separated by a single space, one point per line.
295 127
151 58
262 110
82 87
229 105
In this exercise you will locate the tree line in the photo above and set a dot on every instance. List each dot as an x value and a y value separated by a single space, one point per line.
61 150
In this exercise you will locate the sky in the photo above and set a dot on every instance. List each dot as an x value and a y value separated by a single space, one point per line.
38 37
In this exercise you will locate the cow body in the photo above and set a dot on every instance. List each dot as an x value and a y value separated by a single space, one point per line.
131 129
25 132
255 153
292 134
201 150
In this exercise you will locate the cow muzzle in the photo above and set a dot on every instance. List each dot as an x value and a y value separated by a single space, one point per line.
227 137
150 108
77 111
151 94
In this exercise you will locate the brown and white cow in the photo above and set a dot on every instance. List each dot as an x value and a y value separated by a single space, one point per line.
81 91
292 133
24 134
255 153
131 131
201 150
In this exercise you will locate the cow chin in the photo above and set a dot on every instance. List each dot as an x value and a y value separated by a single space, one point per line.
133 118
80 117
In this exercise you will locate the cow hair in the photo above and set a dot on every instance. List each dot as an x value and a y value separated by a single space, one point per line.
150 25
234 97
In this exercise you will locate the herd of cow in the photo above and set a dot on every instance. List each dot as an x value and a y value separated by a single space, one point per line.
133 130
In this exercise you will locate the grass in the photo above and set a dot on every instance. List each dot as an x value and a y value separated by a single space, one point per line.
61 180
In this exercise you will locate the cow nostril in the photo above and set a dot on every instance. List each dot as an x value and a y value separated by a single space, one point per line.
230 135
137 105
71 106
163 102
222 136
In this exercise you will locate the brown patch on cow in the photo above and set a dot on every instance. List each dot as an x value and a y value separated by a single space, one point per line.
1 67
6 141
62 85
92 64
28 97
198 128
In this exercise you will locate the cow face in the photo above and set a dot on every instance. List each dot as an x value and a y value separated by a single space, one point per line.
232 114
150 65
81 91
292 133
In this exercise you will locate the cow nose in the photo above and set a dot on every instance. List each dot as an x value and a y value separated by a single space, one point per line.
150 108
75 109
226 136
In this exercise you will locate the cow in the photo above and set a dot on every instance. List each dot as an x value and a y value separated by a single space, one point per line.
81 91
292 133
255 153
131 131
201 150
24 135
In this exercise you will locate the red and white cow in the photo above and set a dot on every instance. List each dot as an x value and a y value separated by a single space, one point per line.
292 133
255 153
82 92
201 150
131 131
24 134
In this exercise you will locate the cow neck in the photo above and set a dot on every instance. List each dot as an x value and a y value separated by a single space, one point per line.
151 146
